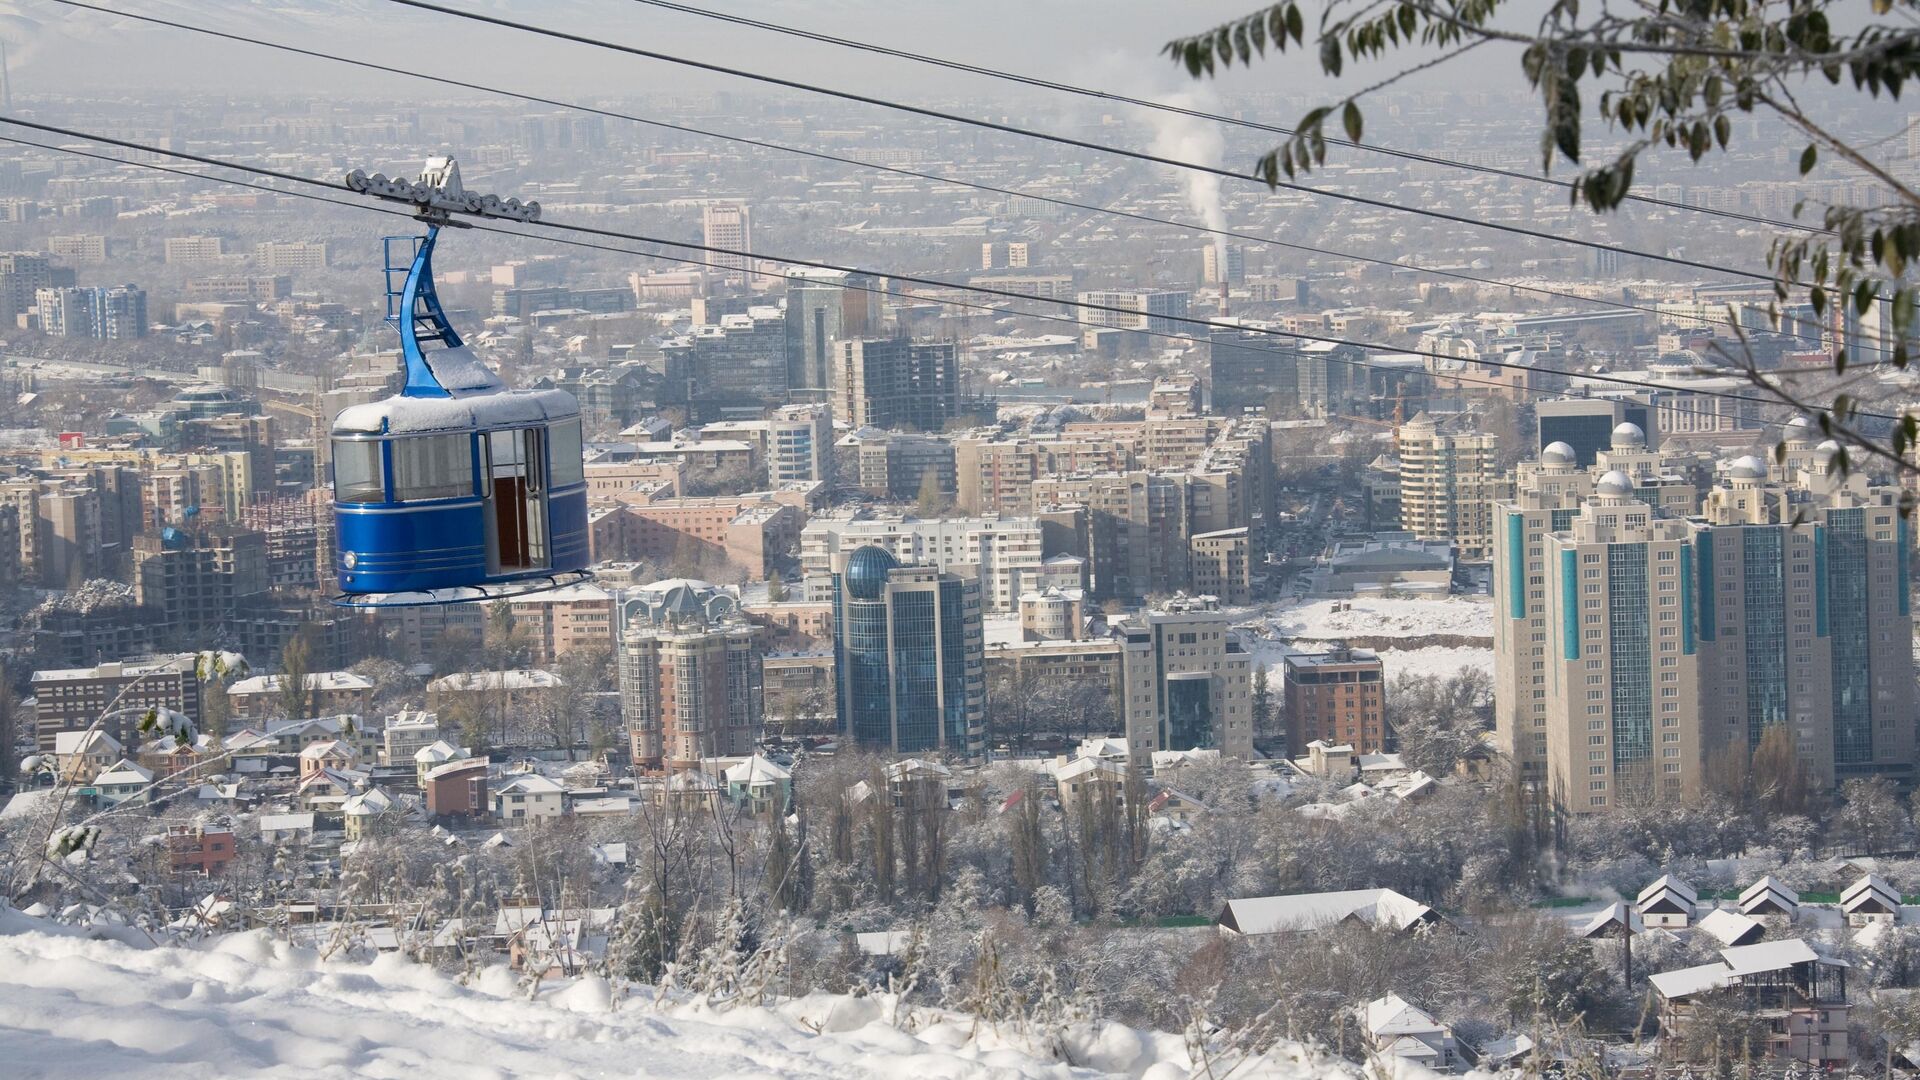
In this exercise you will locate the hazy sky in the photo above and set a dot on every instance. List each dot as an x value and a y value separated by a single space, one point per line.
1110 43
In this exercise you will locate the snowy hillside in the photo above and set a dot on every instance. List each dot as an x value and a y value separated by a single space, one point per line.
247 1005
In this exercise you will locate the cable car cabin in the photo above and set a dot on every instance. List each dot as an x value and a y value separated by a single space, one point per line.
477 494
456 488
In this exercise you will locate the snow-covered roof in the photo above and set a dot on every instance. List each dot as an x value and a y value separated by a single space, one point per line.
456 765
523 679
83 742
529 784
757 770
370 803
1257 915
1393 1015
1673 887
1610 919
331 748
318 680
123 774
1871 889
1772 956
404 415
1731 928
1768 889
285 822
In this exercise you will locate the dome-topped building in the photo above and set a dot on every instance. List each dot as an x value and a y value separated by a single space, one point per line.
1558 454
1615 484
867 570
1629 436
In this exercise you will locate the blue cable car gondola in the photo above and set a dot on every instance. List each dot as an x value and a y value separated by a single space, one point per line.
457 488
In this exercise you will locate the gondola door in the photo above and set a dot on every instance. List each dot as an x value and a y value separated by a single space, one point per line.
516 501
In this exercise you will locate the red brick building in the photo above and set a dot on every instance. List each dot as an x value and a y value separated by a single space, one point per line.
200 849
458 789
1337 696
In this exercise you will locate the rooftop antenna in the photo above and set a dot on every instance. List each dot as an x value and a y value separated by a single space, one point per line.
438 195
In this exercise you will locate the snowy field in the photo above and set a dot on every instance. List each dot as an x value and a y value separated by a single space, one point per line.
1414 637
246 1005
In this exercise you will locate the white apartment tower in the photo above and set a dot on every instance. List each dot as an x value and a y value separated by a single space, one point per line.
1448 485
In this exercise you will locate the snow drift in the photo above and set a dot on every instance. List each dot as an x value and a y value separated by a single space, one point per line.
76 1003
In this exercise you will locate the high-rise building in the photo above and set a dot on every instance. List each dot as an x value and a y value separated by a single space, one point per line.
690 678
894 383
728 225
1337 697
22 275
106 314
87 248
1670 637
909 654
1250 368
291 256
1187 681
193 249
1003 255
199 578
894 465
1234 270
1587 424
1002 553
71 699
1448 485
816 304
734 370
1159 311
1222 565
1547 497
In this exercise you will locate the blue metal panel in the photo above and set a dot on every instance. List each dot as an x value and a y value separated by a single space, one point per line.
417 314
1570 604
1709 614
1686 599
1517 568
418 547
567 525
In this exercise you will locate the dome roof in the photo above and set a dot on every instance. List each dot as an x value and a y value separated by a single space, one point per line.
1557 453
1797 432
1747 468
866 573
1614 482
1627 435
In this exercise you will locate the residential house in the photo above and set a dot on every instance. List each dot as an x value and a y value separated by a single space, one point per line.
1732 928
759 787
1305 912
1870 900
528 797
1798 993
1409 1033
1669 902
123 781
285 828
1769 896
200 849
328 692
364 811
332 754
81 755
457 789
435 754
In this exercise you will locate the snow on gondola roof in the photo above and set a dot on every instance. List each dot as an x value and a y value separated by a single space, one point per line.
402 415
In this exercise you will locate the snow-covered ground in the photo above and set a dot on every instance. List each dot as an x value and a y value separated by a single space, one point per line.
1441 636
247 1005
1374 617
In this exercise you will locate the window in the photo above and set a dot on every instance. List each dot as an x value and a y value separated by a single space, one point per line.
356 471
432 467
563 450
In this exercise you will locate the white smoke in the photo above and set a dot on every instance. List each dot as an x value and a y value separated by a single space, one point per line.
1187 138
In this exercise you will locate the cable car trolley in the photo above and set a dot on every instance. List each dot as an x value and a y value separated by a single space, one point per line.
457 488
